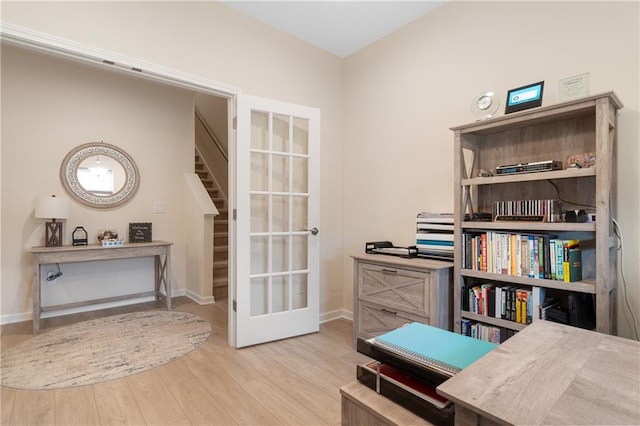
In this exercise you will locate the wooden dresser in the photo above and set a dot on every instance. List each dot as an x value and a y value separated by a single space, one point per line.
390 291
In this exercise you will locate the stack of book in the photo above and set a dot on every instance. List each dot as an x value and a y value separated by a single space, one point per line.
538 256
434 235
485 332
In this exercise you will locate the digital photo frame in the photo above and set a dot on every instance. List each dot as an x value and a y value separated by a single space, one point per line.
525 97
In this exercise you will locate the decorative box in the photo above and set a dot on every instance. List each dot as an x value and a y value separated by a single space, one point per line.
112 243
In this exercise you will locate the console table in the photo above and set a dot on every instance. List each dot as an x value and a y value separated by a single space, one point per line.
160 250
550 373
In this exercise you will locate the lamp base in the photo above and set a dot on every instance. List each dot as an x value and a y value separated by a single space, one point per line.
53 234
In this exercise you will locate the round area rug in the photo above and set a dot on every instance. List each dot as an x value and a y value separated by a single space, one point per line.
102 349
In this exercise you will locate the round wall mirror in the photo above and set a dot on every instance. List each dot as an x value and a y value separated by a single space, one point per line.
100 175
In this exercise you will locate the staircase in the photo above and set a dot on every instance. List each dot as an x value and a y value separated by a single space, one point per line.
220 232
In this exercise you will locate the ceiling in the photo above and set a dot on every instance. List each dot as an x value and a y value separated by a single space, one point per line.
340 27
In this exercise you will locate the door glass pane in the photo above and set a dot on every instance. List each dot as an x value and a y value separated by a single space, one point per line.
299 252
280 173
259 172
280 133
259 255
259 130
280 289
259 296
259 213
300 173
280 253
300 213
300 136
280 213
299 291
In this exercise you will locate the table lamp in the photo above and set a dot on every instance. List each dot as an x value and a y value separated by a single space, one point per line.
52 208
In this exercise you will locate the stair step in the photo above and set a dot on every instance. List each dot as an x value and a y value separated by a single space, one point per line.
220 288
221 235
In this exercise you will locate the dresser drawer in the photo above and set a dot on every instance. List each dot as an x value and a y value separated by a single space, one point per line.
399 289
374 320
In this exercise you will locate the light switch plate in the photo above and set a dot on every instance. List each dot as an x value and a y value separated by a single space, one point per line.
159 207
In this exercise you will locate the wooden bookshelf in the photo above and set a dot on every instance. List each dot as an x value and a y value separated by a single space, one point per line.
548 133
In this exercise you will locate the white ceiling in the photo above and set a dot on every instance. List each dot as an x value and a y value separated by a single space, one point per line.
340 27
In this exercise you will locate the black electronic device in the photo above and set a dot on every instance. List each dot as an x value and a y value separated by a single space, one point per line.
538 166
581 310
579 216
525 97
479 217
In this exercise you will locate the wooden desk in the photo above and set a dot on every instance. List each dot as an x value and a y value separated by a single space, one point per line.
551 374
363 406
160 250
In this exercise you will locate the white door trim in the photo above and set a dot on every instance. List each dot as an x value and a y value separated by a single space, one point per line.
53 45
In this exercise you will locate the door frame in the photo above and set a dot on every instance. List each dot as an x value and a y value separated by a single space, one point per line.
40 42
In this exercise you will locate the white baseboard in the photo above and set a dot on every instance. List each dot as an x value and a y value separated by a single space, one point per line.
199 299
28 316
337 314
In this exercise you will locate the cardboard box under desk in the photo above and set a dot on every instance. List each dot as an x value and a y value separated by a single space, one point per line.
401 382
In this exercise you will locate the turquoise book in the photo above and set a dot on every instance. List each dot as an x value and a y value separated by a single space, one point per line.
433 347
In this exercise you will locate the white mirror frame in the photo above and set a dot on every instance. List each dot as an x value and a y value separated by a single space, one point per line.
69 175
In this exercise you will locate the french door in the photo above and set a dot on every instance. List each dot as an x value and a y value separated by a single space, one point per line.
277 214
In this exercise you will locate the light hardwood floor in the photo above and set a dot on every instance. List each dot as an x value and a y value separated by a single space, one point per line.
289 382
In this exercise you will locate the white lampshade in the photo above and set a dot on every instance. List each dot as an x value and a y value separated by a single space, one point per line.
52 207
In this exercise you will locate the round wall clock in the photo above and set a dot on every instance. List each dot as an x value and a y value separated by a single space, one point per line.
485 105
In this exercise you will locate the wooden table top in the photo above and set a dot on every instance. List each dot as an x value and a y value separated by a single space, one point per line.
553 374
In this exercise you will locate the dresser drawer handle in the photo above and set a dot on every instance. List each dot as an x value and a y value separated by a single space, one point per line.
390 271
389 311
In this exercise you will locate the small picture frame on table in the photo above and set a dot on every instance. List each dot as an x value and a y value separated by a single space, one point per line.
140 232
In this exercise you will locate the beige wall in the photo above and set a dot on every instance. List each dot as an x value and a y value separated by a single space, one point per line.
51 106
403 93
206 39
396 98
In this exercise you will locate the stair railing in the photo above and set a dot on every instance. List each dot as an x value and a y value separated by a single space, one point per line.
213 177
211 135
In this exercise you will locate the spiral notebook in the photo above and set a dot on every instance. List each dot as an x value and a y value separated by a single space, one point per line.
433 347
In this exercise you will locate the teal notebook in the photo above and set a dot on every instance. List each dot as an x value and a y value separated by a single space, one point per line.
434 347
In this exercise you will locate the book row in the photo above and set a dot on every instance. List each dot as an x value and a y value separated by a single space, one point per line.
528 255
488 333
507 302
548 210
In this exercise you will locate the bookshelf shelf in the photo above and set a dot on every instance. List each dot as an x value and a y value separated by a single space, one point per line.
586 125
556 174
493 321
584 286
530 226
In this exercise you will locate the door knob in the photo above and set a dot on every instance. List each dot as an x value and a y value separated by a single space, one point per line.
313 230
